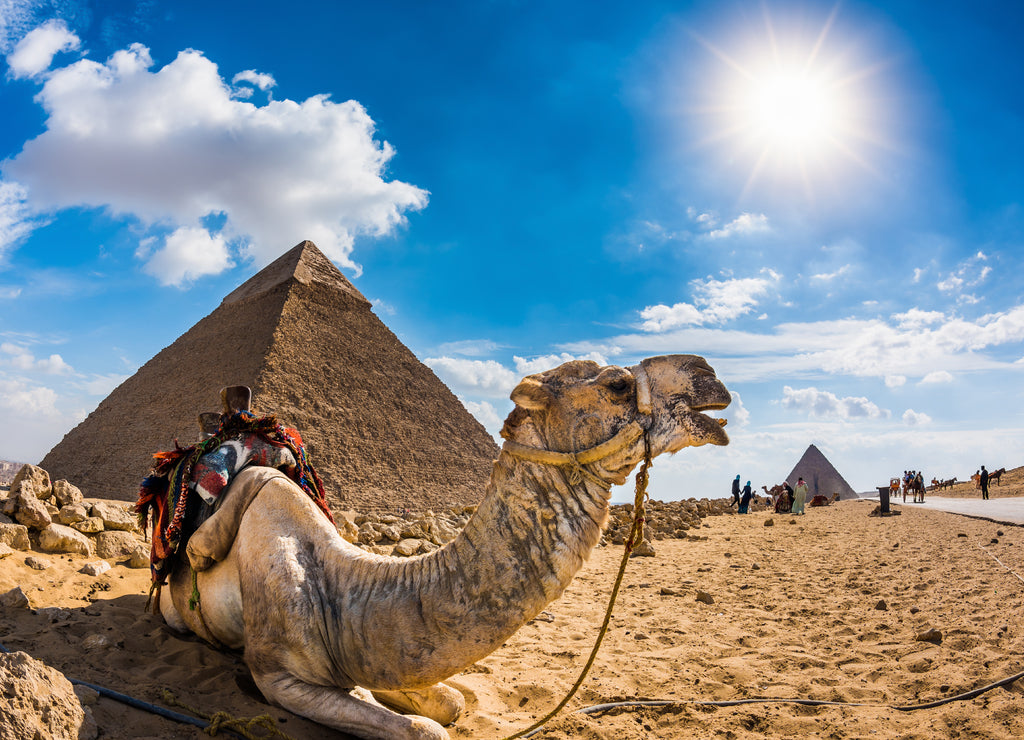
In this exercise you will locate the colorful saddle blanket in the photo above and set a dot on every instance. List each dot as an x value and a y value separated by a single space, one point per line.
185 483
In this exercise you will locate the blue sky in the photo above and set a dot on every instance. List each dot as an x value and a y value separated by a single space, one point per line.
822 199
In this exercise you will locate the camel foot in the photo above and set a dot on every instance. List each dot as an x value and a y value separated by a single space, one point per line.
353 711
439 702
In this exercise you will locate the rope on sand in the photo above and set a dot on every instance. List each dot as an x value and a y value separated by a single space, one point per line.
1015 575
805 702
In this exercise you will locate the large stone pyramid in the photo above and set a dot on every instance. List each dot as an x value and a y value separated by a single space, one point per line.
820 475
381 428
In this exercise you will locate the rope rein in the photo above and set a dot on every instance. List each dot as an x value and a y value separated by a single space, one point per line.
261 727
635 534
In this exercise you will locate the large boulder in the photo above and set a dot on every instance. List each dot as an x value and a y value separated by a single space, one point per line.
39 703
115 516
32 478
30 511
58 538
66 493
15 535
113 545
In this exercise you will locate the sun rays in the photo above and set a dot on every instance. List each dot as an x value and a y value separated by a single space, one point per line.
792 108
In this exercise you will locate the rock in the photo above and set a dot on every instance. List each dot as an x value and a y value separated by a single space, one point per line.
52 614
16 536
66 493
994 541
14 599
644 549
37 563
5 551
96 641
71 513
769 522
882 606
95 568
139 557
367 534
931 635
641 636
407 547
87 695
30 511
89 525
39 703
666 591
33 479
4 519
348 530
115 516
755 566
115 545
58 538
705 598
390 533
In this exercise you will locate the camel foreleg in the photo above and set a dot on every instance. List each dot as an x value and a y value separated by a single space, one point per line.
440 702
354 711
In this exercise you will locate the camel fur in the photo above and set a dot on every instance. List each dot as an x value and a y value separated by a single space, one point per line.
323 623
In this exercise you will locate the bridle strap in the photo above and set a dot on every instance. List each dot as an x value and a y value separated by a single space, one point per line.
574 460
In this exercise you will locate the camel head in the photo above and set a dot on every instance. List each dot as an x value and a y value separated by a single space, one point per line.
581 406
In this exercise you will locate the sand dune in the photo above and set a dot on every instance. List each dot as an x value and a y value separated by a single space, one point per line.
826 606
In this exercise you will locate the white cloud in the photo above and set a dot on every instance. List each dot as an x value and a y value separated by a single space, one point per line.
16 220
474 377
895 381
936 377
737 414
715 302
745 223
486 414
34 53
172 146
254 78
19 399
547 362
188 254
829 276
826 405
915 418
915 318
20 358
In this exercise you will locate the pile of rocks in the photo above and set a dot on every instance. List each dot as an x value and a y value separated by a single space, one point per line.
54 517
404 534
408 533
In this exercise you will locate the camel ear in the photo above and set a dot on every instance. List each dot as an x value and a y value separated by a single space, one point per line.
531 395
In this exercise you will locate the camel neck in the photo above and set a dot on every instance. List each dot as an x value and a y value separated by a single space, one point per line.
529 536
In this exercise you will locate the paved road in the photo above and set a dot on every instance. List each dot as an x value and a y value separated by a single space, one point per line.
1010 510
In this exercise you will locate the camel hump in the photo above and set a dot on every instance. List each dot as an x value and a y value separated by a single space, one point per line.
212 540
235 398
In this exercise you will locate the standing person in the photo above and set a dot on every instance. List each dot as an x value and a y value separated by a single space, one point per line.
745 501
799 496
984 482
735 492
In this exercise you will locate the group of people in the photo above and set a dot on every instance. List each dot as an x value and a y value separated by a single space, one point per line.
786 501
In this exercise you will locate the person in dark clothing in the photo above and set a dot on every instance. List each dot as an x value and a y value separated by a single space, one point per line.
735 492
786 499
745 500
984 482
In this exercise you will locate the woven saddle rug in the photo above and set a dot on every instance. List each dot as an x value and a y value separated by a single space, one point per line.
185 483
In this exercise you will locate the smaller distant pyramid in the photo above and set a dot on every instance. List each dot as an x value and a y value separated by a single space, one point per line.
820 475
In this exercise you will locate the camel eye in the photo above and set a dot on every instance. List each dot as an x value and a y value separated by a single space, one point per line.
619 386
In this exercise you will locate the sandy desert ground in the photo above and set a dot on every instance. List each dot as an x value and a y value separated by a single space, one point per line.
826 606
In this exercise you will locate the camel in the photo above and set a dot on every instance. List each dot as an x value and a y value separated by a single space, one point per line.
332 632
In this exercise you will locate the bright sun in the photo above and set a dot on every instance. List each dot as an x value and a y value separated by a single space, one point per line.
791 106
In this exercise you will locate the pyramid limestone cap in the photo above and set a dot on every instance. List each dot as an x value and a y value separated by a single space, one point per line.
303 263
